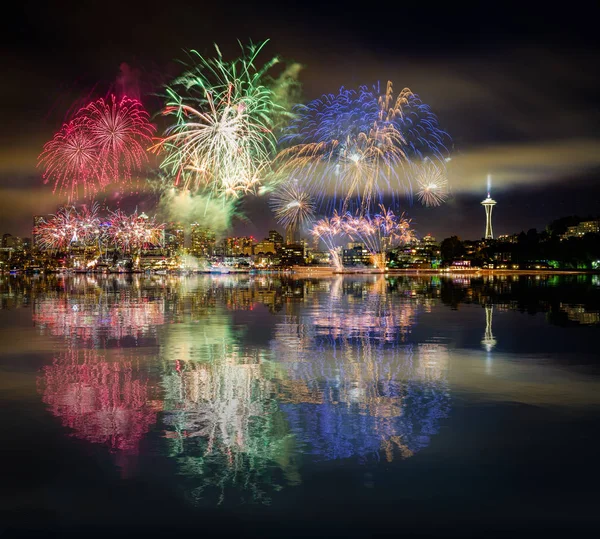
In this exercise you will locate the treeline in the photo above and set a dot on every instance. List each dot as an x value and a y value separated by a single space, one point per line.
547 247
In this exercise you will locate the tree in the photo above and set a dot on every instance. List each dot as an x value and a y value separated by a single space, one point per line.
451 248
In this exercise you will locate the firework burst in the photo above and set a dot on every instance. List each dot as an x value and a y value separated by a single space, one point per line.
357 146
121 132
134 232
222 140
292 206
379 233
104 143
70 160
328 230
433 185
59 231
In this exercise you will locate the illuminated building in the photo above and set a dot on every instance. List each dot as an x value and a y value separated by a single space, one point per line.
583 228
488 204
238 246
264 247
292 254
276 238
290 234
174 236
202 241
356 255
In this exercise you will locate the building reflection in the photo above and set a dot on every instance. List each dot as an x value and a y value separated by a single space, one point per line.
85 312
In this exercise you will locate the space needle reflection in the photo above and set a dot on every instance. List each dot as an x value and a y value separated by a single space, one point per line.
488 342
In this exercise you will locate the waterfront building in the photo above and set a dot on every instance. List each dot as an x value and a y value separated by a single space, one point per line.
292 254
356 255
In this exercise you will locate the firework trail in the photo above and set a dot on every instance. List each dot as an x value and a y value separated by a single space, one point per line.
379 233
134 232
433 185
104 143
222 141
328 230
292 206
357 145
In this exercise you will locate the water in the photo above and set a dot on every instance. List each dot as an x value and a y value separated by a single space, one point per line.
268 406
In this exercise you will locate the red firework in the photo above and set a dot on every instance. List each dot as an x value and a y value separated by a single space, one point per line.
70 160
105 143
121 131
134 232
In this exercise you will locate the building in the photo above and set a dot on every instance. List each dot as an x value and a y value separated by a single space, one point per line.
240 246
428 241
290 234
356 255
202 241
174 236
265 247
583 228
488 204
276 238
319 258
508 238
292 254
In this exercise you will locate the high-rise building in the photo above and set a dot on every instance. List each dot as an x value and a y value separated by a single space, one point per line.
276 238
488 204
202 241
174 236
290 234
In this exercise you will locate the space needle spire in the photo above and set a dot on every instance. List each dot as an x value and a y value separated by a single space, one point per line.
488 204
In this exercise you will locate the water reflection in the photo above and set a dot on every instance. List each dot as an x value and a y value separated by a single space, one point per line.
102 399
243 381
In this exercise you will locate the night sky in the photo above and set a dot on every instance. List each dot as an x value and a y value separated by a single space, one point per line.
516 87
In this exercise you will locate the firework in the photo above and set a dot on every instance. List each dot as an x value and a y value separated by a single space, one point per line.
59 231
292 206
222 140
433 185
379 233
356 145
70 160
121 132
104 143
421 132
329 230
134 232
101 401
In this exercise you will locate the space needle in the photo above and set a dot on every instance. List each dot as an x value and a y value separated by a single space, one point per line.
488 204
